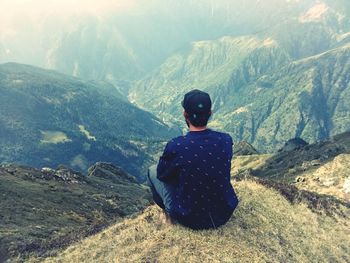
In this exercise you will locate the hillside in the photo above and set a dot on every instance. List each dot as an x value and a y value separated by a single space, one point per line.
321 168
265 228
47 119
329 179
290 99
44 210
282 217
294 206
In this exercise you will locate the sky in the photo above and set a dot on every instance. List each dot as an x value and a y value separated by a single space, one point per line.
15 12
37 7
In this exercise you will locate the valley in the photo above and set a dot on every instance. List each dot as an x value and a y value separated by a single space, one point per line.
48 118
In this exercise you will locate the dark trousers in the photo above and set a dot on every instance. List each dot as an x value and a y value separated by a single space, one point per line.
162 192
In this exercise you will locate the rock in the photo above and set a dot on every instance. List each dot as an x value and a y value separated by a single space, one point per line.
346 186
293 144
305 165
300 179
315 163
62 173
329 182
110 171
47 170
68 173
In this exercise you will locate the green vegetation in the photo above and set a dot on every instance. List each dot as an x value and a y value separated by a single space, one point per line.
47 119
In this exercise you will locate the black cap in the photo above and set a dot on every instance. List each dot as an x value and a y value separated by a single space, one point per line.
196 101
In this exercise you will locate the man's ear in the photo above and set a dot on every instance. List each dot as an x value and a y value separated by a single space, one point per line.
185 114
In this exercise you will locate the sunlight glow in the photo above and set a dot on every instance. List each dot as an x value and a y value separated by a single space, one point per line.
15 13
61 7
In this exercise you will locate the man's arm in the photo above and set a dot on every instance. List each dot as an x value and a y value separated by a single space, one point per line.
167 169
229 147
229 151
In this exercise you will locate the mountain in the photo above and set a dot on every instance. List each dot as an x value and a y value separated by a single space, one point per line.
206 65
306 98
43 210
47 119
267 87
126 44
124 49
318 28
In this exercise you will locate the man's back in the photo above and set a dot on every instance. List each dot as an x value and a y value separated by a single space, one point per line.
198 166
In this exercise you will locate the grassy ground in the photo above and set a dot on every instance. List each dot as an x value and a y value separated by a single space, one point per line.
264 228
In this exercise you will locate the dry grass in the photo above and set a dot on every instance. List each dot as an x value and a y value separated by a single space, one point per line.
242 163
54 137
264 228
329 179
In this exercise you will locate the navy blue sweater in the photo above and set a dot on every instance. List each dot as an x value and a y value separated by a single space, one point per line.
198 165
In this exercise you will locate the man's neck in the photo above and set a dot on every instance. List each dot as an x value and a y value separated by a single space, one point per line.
196 129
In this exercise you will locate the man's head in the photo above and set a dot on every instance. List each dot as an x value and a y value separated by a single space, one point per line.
197 107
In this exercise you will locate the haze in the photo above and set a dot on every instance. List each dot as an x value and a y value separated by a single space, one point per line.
16 8
126 39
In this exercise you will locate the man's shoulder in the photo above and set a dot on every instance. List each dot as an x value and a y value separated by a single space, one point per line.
177 140
222 135
187 138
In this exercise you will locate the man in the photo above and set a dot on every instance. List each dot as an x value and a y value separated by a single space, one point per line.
192 179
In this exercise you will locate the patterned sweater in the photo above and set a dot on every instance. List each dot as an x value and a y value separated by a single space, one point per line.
198 165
